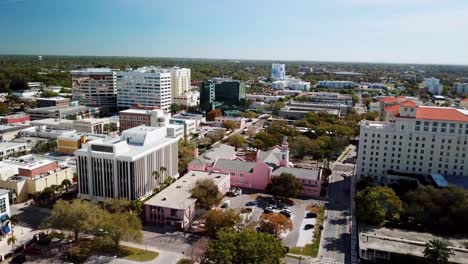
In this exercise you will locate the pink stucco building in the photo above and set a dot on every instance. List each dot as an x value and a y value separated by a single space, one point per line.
256 175
175 205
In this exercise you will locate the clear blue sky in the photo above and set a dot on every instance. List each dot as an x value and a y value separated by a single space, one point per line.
419 31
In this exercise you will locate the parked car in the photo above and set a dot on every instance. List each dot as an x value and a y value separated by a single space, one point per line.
43 240
308 226
226 204
311 215
237 191
18 259
286 212
32 250
269 209
251 203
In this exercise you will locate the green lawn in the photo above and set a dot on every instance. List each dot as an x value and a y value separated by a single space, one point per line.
184 261
136 254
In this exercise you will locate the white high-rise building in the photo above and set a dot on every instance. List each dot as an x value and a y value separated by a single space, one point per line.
278 71
146 86
433 86
122 167
94 87
414 141
460 88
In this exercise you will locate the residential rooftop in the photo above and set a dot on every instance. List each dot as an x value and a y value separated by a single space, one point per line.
300 173
179 194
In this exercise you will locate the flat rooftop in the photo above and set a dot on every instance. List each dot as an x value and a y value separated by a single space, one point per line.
408 242
179 194
62 109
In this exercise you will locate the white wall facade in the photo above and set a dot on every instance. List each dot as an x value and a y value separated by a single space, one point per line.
414 146
144 87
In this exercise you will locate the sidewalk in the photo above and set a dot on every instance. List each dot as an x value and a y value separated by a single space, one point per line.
22 234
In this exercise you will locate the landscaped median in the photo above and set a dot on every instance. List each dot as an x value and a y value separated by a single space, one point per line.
136 254
311 250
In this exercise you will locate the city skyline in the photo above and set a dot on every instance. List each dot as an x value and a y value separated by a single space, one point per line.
339 30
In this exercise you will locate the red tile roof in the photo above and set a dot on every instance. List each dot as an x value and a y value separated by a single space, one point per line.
388 99
408 103
465 100
395 109
441 113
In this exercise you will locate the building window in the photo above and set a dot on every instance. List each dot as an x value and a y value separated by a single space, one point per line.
2 205
173 212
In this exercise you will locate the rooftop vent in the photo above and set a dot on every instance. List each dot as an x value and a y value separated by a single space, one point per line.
163 199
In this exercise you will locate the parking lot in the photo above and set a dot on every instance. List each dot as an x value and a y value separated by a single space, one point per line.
258 202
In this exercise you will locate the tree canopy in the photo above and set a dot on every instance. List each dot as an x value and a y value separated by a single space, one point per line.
376 205
207 193
275 223
285 185
217 219
245 246
236 141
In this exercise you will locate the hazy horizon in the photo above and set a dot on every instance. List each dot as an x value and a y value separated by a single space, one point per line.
348 31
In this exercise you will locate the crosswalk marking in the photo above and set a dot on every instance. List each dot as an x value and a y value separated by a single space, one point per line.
329 261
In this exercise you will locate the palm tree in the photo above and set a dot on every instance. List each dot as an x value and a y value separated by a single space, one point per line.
437 252
65 184
12 241
137 206
162 170
157 175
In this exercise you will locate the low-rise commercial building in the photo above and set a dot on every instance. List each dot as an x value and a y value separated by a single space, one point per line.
297 110
291 83
60 112
337 84
53 101
17 118
8 149
29 174
10 132
71 142
175 206
384 244
140 115
331 98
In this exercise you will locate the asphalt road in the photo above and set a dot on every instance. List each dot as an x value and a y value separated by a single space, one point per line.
335 243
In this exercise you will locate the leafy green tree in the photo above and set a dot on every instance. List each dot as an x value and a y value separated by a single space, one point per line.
186 149
264 141
244 246
47 94
443 211
121 226
437 252
250 114
207 193
230 125
376 205
217 219
66 183
77 216
286 185
116 205
236 141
